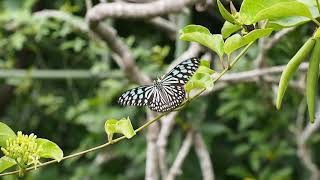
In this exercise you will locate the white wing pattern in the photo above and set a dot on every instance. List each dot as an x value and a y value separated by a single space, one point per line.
165 94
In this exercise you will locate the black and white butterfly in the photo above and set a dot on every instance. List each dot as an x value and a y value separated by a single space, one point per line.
164 94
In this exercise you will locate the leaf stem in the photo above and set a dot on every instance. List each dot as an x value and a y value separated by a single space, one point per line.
318 5
138 129
316 21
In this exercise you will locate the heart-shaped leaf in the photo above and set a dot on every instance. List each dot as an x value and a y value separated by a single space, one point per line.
228 29
253 11
49 149
201 35
236 41
225 13
5 133
123 126
5 163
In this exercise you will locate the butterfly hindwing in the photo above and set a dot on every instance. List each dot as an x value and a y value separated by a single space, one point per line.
157 100
166 98
180 74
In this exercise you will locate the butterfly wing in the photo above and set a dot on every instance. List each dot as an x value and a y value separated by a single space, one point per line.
180 74
157 99
175 94
165 95
165 98
136 96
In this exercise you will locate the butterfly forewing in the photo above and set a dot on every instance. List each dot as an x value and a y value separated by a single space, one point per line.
166 94
180 74
136 96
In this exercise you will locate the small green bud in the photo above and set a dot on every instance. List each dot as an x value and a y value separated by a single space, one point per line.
23 149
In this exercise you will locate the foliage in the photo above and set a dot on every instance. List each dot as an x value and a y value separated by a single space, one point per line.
25 150
246 137
123 126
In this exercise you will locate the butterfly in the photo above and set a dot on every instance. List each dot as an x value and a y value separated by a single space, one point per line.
166 93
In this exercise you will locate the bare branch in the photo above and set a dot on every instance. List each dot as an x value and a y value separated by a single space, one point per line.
274 39
164 25
166 127
131 10
54 74
310 128
253 76
266 43
258 72
109 35
75 21
175 170
167 122
203 5
193 50
204 157
88 4
152 170
303 151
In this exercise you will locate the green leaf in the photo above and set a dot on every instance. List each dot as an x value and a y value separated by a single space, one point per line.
200 81
201 35
49 149
228 29
312 80
5 133
287 22
291 68
239 171
202 78
253 11
283 10
292 21
283 173
225 13
110 128
236 41
249 8
204 63
5 163
122 126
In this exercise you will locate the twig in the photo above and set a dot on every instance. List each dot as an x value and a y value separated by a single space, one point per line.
318 5
204 157
175 170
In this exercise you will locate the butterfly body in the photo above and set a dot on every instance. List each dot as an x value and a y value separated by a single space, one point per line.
166 93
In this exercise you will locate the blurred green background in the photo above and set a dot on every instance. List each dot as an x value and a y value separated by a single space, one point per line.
245 134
